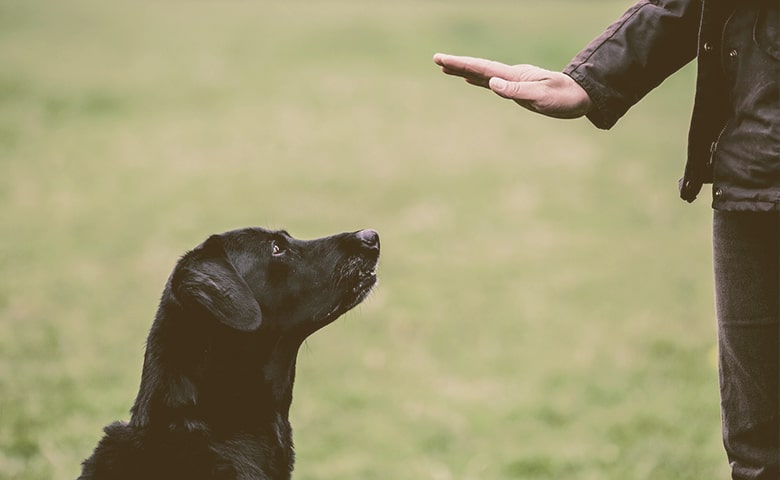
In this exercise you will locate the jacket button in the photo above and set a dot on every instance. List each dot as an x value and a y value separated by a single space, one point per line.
717 192
707 47
733 54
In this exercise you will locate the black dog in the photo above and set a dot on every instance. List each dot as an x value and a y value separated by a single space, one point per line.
220 358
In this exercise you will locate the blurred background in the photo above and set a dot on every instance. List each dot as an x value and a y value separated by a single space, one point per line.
545 300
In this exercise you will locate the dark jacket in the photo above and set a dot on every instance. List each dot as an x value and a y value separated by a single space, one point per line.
733 141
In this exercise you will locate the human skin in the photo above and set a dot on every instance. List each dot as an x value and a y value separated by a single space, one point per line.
546 92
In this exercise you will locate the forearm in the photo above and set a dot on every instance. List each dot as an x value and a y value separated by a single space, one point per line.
648 43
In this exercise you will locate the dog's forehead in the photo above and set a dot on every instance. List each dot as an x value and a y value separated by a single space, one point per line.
253 234
250 241
242 239
242 236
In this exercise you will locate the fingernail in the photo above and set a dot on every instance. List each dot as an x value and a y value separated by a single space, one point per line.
498 84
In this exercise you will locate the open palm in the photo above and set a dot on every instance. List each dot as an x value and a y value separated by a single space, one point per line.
554 94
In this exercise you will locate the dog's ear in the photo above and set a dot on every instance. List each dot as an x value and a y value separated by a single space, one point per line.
213 284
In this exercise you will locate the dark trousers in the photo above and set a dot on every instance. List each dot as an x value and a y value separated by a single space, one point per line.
747 287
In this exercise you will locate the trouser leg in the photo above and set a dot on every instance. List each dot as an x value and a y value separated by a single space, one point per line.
746 248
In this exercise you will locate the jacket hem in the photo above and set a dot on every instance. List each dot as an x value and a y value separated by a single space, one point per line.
746 206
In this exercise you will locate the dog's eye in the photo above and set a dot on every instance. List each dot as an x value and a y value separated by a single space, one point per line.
277 250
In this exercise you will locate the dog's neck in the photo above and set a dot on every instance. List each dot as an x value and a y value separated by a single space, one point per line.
193 387
279 371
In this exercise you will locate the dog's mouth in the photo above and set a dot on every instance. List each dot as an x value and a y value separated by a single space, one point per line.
356 279
366 281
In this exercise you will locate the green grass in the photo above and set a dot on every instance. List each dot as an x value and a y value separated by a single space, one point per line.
545 305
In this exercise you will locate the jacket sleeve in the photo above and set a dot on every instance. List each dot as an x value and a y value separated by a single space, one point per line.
652 40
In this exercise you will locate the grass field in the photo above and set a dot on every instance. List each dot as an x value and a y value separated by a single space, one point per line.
545 300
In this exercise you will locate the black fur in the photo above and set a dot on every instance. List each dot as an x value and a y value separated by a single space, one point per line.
220 359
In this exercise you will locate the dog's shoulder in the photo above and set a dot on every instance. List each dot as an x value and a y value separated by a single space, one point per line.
126 452
130 453
115 455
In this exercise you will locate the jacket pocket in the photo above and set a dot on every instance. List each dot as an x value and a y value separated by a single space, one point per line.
766 31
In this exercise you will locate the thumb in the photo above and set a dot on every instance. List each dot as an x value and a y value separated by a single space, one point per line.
510 90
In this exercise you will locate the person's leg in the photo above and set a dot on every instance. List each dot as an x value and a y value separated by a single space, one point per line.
746 247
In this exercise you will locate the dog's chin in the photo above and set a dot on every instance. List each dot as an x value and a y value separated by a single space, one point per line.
366 283
361 287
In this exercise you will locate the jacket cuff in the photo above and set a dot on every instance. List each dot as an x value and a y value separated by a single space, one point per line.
600 113
649 42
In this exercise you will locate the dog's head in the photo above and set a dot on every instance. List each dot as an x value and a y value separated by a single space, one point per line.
253 279
232 316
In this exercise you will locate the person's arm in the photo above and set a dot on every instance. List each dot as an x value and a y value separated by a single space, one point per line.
635 54
648 43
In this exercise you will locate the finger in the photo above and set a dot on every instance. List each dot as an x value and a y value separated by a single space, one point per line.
478 80
537 97
526 94
513 90
458 72
471 66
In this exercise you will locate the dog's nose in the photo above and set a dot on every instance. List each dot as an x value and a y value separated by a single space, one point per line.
369 238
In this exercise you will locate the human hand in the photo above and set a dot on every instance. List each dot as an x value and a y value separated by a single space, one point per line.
554 94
